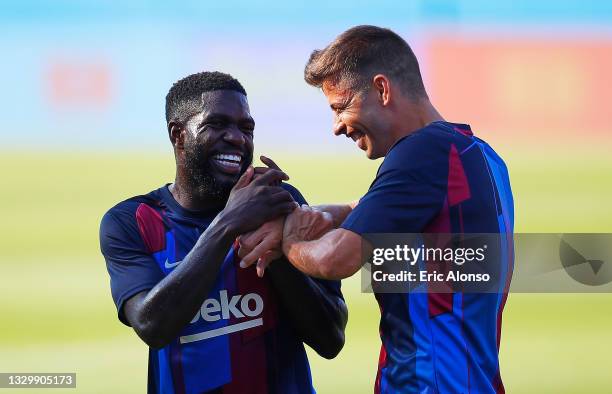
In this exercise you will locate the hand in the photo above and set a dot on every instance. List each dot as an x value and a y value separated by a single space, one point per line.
259 171
305 224
262 245
253 202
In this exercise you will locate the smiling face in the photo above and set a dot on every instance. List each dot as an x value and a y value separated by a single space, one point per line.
360 116
218 143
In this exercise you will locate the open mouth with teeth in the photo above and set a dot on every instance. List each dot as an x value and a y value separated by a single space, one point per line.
228 163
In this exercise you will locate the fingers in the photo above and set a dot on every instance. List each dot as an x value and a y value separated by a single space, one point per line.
262 264
280 196
271 165
261 170
265 245
271 176
287 208
260 269
282 202
245 179
269 162
247 242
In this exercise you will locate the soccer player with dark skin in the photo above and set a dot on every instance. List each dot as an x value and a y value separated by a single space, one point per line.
157 315
213 149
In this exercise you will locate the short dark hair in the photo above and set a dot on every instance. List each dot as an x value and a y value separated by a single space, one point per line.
185 97
361 52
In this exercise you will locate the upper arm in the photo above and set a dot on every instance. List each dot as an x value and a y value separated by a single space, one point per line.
132 307
408 192
131 268
332 290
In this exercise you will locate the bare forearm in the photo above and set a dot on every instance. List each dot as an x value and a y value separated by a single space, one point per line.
173 302
307 259
336 255
339 212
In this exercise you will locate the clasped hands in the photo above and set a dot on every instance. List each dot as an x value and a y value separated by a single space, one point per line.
276 237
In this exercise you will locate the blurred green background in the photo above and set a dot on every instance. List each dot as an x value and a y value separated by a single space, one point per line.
83 128
57 313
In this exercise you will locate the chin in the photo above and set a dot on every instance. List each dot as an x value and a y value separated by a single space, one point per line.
373 155
226 180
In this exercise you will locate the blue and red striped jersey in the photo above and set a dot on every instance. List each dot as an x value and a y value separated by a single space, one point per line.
239 341
440 179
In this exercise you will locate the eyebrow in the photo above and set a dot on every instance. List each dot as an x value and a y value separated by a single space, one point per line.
337 106
225 118
341 105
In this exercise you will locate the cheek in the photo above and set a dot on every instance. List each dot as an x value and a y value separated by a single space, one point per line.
204 141
249 142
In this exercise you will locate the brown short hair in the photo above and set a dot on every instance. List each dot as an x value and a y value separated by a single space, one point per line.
361 52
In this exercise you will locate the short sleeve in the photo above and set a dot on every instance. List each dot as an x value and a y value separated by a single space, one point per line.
408 191
295 193
130 267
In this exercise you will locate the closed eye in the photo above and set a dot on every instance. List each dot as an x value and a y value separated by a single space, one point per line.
337 109
248 129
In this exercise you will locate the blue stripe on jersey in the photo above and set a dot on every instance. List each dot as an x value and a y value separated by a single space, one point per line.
211 355
425 353
502 184
166 255
505 218
165 374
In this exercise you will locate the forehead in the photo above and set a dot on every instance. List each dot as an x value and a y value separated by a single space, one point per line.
226 102
336 92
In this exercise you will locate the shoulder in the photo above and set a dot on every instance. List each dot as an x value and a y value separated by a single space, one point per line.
425 143
125 215
423 151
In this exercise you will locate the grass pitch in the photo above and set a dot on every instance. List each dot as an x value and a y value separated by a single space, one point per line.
57 313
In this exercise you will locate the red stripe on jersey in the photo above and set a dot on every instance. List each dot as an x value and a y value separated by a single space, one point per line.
458 187
441 223
439 294
151 227
467 133
176 369
382 358
248 352
382 361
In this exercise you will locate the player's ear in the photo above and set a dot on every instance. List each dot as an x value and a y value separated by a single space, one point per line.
382 87
176 132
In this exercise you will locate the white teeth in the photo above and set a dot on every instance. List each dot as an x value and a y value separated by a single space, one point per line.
229 163
230 158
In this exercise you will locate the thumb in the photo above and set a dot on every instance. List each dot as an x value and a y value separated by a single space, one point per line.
245 179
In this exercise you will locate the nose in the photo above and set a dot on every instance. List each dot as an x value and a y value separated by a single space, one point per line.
339 127
234 136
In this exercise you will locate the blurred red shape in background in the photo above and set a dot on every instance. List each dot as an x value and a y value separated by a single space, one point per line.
522 85
78 83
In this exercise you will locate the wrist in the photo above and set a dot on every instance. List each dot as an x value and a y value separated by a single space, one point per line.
289 243
228 225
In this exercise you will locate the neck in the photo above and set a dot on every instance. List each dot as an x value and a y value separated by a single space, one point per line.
188 196
414 115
